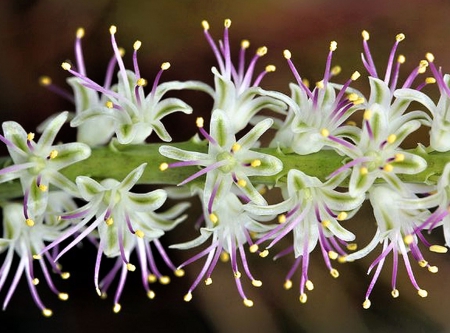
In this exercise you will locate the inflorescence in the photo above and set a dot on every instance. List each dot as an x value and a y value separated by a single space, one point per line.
232 164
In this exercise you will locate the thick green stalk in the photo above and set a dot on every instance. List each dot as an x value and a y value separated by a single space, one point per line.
117 161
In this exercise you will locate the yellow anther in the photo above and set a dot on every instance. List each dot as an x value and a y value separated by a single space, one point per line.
164 279
333 46
235 147
287 54
131 267
391 138
429 56
141 82
139 233
324 132
65 275
363 171
66 66
309 285
367 114
305 82
109 221
224 257
199 122
45 81
165 66
365 35
303 298
320 84
188 297
63 296
423 263
35 281
270 68
281 218
359 101
248 302
152 278
335 70
352 97
109 104
117 307
422 292
237 275
47 312
242 182
287 284
103 295
332 255
430 80
227 23
137 45
366 304
395 293
400 37
401 59
388 167
253 248
355 76
80 33
208 281
245 44
255 163
213 217
121 51
342 259
399 157
264 253
179 272
151 294
422 66
408 239
43 187
261 51
438 249
163 166
342 216
37 256
325 223
352 246
99 293
205 25
29 222
257 283
53 154
433 269
334 273
112 29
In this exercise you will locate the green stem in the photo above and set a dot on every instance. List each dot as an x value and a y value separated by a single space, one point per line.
117 161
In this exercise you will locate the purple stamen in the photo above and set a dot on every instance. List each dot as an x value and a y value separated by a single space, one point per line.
79 54
387 76
368 64
212 197
215 50
348 166
298 78
213 166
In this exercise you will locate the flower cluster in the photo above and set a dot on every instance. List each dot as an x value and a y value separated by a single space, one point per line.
325 148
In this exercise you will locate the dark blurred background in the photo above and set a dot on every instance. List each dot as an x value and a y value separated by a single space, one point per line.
37 35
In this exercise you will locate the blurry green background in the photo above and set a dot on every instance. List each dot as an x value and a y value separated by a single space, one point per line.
36 36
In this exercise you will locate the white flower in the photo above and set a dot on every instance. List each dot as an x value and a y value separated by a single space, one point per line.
37 164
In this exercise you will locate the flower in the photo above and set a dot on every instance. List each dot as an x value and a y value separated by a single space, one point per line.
229 228
125 221
28 243
229 162
236 93
399 230
313 212
317 116
37 164
87 99
135 115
